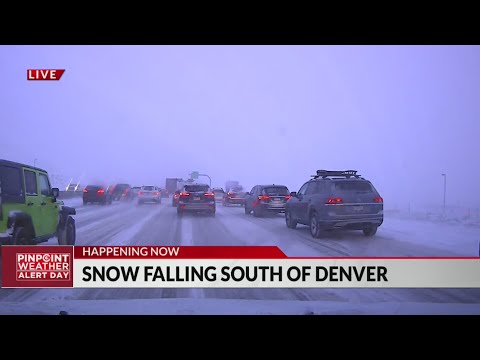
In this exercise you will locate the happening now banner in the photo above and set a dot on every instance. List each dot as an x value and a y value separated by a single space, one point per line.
223 267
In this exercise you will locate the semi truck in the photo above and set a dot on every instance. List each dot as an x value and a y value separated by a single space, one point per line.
171 185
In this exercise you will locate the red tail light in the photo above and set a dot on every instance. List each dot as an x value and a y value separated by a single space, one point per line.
101 191
140 193
378 199
184 194
155 193
288 197
85 190
231 194
334 201
209 194
263 197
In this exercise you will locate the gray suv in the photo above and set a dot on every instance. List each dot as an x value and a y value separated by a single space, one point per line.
336 200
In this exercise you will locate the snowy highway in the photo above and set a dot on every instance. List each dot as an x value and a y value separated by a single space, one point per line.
150 224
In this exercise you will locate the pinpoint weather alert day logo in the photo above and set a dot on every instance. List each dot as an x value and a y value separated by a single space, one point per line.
44 266
44 74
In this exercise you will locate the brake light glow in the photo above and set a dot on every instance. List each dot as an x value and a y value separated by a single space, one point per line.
288 197
85 190
101 191
140 193
155 193
263 197
184 194
334 201
231 194
378 199
209 194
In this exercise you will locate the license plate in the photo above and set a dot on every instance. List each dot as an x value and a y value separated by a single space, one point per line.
196 198
358 208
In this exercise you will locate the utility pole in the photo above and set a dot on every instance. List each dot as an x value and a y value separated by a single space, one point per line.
35 162
444 191
207 177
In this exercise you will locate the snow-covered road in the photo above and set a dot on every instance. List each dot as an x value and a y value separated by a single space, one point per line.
127 224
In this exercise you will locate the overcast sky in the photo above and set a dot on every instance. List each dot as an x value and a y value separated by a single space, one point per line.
400 115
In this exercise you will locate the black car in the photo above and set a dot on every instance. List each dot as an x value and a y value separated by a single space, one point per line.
336 200
175 197
263 199
234 196
165 193
97 194
133 192
196 198
121 192
219 194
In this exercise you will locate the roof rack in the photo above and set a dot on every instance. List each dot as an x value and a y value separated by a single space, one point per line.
328 173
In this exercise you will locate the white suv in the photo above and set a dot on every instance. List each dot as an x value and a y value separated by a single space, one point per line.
149 194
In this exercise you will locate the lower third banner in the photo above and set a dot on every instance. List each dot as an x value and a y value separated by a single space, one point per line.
222 267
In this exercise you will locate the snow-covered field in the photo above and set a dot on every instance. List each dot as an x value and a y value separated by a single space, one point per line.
128 224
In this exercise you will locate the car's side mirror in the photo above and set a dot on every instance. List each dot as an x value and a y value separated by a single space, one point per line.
293 193
55 192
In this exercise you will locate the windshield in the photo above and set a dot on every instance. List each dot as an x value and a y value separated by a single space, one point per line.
196 188
276 190
356 186
325 152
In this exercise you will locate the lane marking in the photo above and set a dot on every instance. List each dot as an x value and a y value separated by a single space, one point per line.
124 237
187 240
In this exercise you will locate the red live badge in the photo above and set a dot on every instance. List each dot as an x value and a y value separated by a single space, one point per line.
44 74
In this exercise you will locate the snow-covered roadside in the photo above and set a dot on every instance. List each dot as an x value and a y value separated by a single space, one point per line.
453 216
458 239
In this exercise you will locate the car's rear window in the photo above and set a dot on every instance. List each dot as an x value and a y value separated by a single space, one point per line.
148 188
10 180
93 187
196 188
276 190
218 191
358 186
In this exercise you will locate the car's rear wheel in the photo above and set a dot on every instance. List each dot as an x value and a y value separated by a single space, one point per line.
371 231
69 234
291 224
247 210
315 230
179 212
257 212
21 236
212 213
